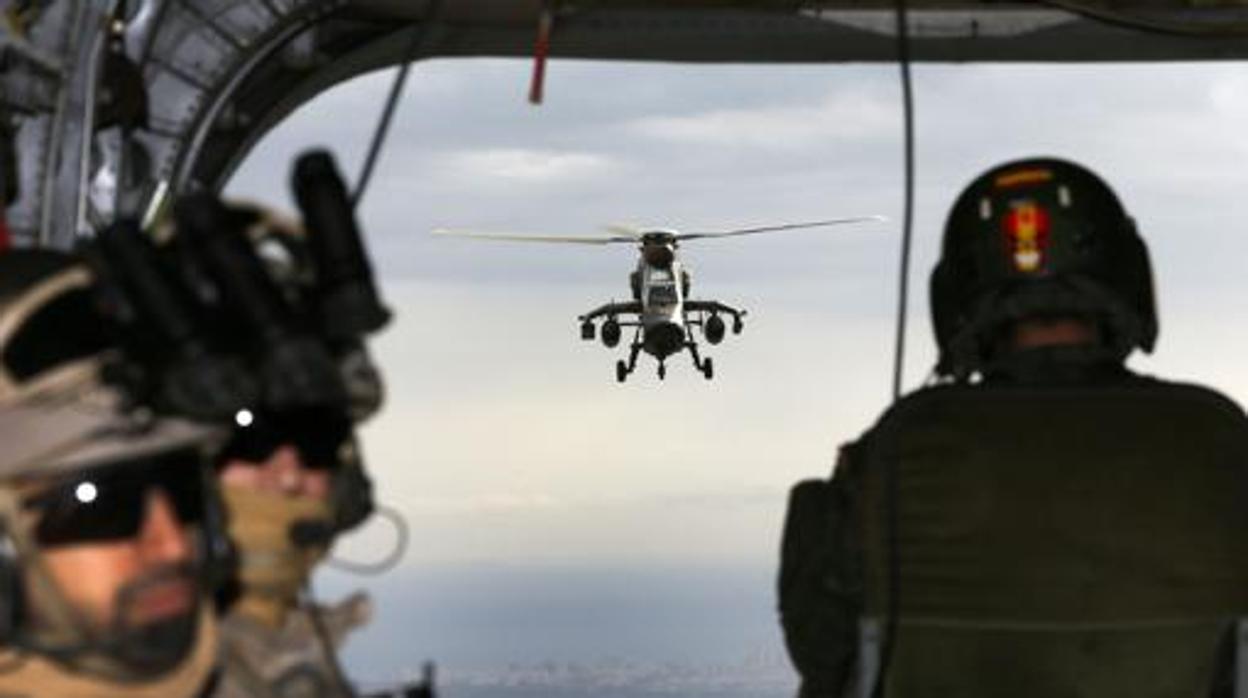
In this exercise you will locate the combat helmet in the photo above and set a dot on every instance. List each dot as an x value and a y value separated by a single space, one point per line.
55 347
1038 237
328 417
63 424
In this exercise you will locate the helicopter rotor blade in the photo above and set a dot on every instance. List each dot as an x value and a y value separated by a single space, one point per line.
624 230
518 237
778 228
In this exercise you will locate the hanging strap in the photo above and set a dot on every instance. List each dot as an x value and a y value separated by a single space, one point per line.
541 51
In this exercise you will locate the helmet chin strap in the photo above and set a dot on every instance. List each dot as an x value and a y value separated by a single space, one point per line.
60 623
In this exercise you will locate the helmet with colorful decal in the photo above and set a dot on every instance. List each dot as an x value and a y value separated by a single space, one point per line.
1038 238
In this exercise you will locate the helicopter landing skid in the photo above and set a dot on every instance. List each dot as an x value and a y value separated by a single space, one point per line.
705 366
623 369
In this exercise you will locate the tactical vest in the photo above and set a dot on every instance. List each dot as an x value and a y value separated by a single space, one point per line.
1056 542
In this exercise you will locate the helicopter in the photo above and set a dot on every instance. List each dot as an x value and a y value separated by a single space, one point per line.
664 314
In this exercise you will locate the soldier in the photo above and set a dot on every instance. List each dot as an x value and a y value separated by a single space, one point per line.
1044 522
291 476
290 482
109 539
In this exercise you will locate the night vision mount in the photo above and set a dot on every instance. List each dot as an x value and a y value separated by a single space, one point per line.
208 329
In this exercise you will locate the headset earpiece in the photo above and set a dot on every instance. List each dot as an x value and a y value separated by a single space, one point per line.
352 491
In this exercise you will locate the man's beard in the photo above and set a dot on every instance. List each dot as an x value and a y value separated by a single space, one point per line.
153 645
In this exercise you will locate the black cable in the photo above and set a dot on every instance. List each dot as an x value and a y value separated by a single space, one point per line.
402 534
419 35
893 600
903 291
1208 30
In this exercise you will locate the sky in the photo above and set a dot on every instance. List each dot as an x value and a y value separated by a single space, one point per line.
558 516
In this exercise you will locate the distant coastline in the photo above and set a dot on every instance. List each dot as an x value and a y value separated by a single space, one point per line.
762 675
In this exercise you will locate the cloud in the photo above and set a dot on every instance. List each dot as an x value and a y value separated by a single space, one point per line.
478 503
525 165
725 497
848 116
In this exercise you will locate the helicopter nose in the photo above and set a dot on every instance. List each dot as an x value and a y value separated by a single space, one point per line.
664 339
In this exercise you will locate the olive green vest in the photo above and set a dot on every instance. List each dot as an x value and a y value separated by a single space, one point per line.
1055 542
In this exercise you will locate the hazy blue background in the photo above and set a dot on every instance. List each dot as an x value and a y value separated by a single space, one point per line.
574 537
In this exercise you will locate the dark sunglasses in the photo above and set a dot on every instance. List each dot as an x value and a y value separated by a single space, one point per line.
317 434
111 504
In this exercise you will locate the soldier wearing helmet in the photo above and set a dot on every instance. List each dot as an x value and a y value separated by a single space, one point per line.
285 480
1035 244
108 534
1043 521
291 475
